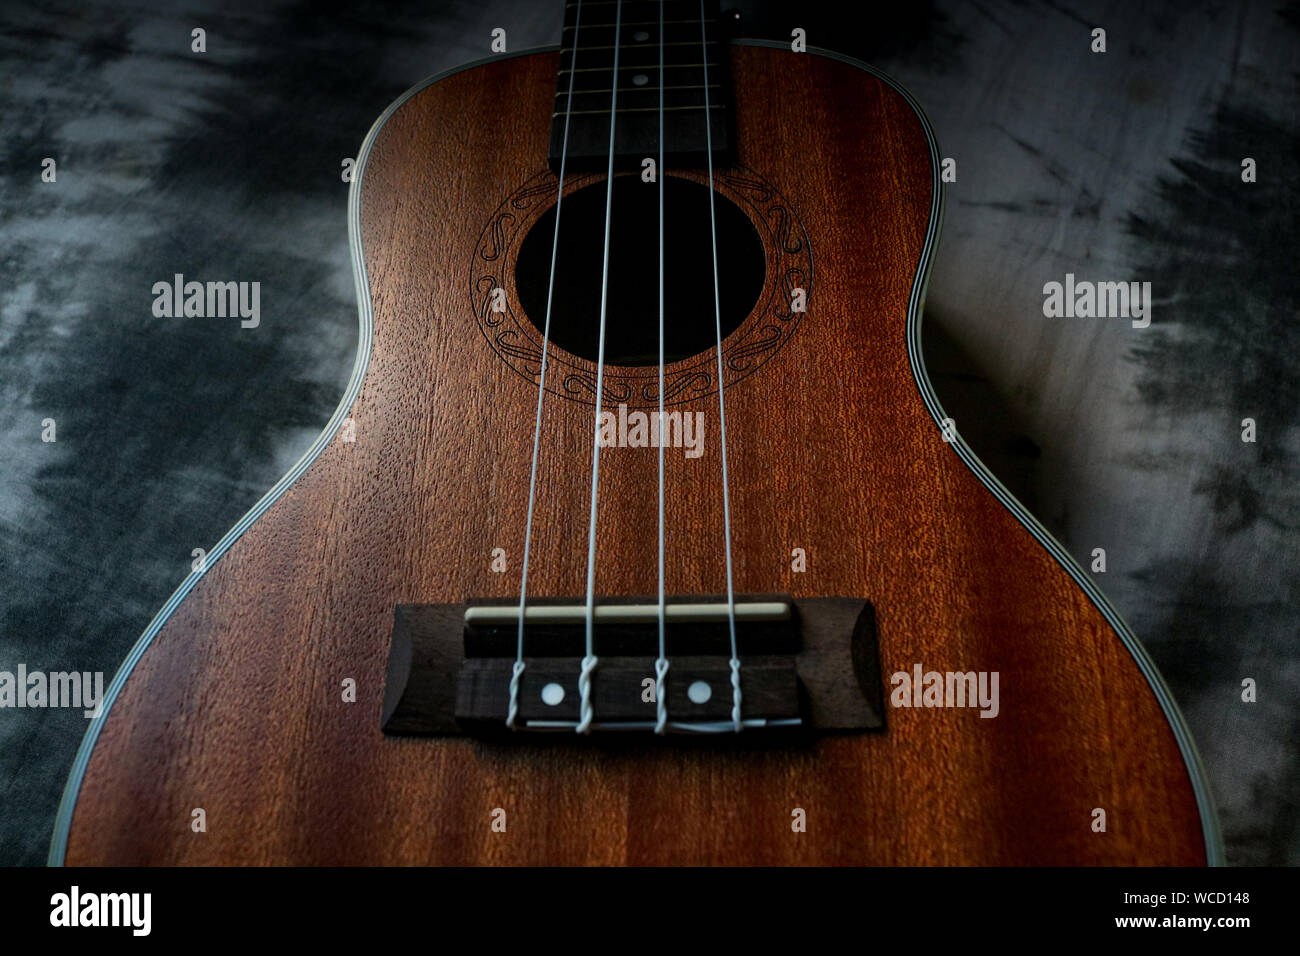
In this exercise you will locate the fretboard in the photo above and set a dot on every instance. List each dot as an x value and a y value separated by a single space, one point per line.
587 56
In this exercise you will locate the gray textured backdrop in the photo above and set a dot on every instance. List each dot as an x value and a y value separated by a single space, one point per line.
1116 166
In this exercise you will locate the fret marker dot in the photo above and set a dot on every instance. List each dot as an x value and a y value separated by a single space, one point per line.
640 36
699 692
552 694
640 80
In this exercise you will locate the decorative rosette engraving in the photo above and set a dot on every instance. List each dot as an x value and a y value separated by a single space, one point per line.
768 327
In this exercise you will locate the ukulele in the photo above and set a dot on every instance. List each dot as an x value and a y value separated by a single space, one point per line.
640 536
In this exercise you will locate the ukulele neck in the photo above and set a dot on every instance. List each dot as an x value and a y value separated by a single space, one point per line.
610 60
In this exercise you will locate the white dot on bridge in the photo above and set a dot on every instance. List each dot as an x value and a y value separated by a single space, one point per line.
699 692
552 694
640 80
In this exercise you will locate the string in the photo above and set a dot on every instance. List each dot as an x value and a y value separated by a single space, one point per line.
661 665
722 412
590 661
518 671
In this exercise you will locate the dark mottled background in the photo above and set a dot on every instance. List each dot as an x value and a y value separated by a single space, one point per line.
226 165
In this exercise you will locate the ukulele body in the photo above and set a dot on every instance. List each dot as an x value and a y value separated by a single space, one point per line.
235 703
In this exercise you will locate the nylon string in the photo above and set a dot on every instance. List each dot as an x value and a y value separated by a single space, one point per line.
518 670
590 661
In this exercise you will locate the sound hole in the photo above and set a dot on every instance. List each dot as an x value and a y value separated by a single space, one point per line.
632 318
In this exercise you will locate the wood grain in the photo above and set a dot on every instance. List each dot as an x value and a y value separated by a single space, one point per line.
237 707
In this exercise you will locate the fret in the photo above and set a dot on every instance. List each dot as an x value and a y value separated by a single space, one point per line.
650 72
641 10
631 34
641 13
635 23
640 56
642 89
667 66
638 46
633 3
634 99
641 109
684 27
